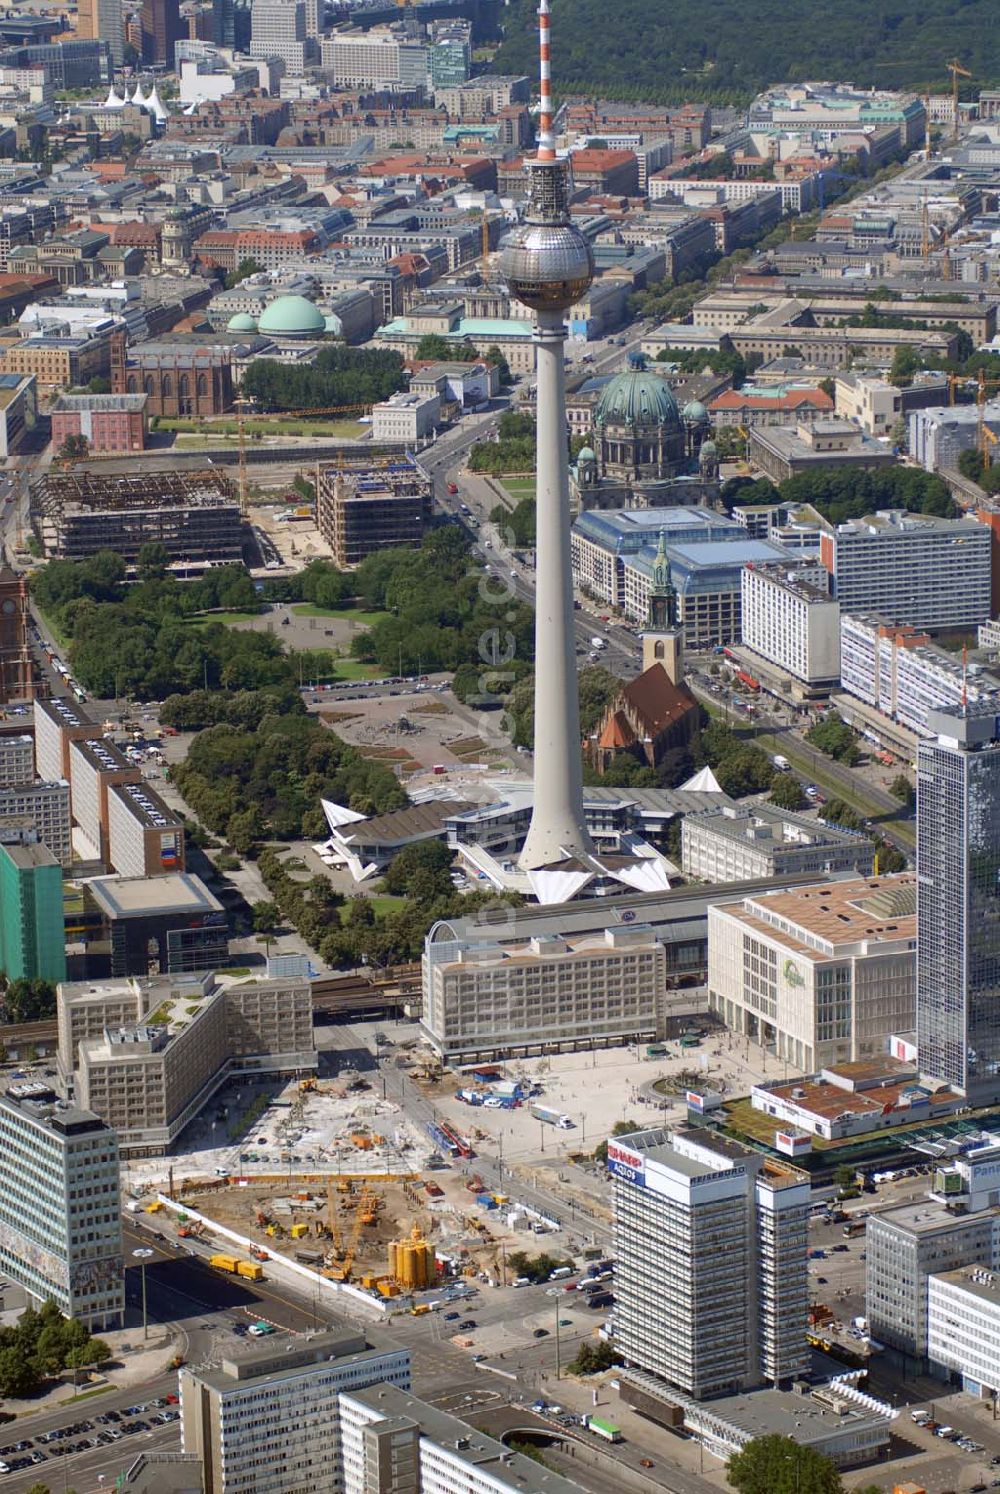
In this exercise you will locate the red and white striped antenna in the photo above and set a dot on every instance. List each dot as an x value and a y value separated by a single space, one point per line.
546 139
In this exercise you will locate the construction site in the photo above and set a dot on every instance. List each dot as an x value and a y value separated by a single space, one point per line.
196 516
339 1182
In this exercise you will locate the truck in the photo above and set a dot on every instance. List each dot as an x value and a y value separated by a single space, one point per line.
781 763
232 1264
605 1429
598 643
550 1117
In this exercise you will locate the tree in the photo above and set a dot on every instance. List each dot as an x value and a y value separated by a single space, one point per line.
265 917
836 739
152 560
591 1359
243 271
901 788
779 1465
99 385
420 871
786 792
620 1128
241 831
836 812
18 1376
970 463
74 449
905 363
494 356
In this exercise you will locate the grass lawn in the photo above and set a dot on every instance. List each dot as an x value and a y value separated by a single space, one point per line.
353 669
227 430
202 619
518 487
342 614
382 902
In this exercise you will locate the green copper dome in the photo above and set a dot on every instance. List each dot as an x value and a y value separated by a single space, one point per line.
292 316
241 322
694 413
637 399
585 454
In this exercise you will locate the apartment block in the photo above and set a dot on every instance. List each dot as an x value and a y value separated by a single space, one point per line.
269 1420
17 760
931 573
108 422
793 623
390 1440
146 1055
95 767
58 722
735 844
45 807
711 1281
145 838
899 671
822 975
32 927
545 993
60 1210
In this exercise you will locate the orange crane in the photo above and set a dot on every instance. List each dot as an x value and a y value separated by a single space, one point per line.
957 71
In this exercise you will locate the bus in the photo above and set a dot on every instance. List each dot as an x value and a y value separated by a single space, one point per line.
605 1429
855 1227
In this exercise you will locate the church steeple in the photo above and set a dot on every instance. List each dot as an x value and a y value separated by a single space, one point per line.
663 638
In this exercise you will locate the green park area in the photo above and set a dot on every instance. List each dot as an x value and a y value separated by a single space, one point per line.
518 488
199 433
357 615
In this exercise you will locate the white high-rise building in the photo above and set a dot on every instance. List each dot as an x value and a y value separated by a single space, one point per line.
278 29
790 619
711 1282
60 1207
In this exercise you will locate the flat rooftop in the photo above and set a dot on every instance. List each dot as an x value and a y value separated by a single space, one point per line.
246 1371
464 1442
835 914
978 1281
104 757
146 806
63 712
147 897
783 1413
30 857
765 825
927 1216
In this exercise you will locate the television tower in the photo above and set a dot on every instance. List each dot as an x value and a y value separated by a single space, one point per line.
548 265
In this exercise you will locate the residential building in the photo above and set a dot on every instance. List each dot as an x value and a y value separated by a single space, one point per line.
734 843
711 1281
958 900
145 838
873 404
792 622
939 434
391 1440
58 722
931 573
194 515
406 419
32 938
278 29
146 1055
18 410
17 760
542 994
963 1328
60 1209
269 1419
821 975
901 673
358 513
94 766
169 924
782 451
45 806
108 422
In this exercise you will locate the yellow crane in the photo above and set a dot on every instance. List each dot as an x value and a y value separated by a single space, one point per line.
957 71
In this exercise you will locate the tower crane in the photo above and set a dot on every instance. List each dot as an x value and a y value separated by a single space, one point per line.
957 71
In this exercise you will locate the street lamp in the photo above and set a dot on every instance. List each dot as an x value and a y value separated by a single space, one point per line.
142 1256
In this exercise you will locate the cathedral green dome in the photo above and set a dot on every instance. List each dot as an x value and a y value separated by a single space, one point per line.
694 413
241 322
292 316
638 399
585 454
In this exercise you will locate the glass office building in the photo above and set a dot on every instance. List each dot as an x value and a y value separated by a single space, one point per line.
958 901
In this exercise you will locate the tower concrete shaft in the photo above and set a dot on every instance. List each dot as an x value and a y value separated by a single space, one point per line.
557 825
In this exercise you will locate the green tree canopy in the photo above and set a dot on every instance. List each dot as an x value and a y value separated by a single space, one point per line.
779 1465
